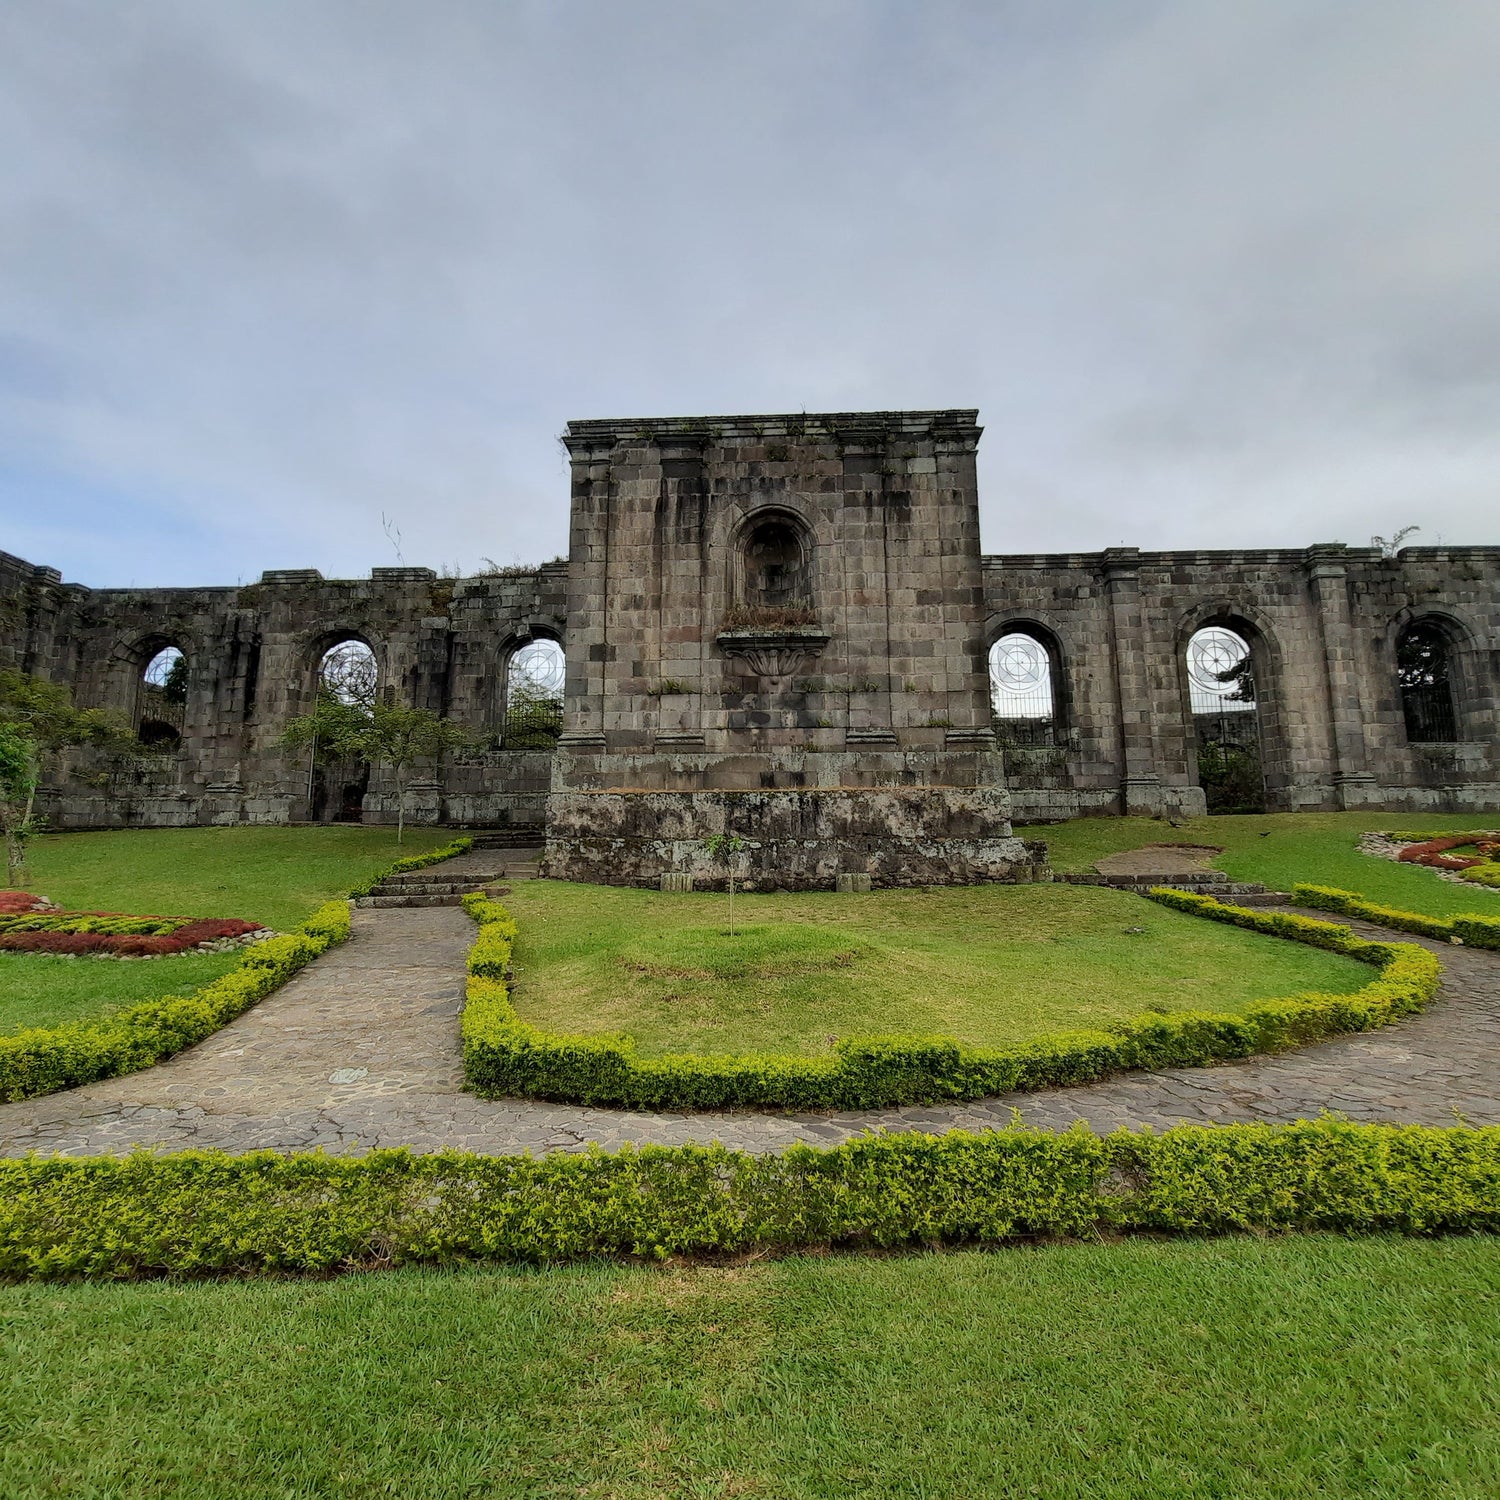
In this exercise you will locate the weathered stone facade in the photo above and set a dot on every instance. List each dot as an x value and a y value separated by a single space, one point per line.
776 628
789 605
1322 623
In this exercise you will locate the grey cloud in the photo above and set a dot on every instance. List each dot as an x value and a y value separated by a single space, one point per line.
1215 274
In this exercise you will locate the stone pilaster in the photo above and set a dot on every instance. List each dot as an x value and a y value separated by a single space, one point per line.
1140 785
1353 783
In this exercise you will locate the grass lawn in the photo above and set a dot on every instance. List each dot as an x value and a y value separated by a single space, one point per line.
43 989
985 964
1280 848
271 875
1235 1368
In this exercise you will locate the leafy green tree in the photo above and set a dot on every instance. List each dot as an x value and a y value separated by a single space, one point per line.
334 730
379 732
18 782
39 719
533 719
726 846
400 737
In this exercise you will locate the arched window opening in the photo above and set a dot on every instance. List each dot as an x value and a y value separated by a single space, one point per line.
1226 719
348 671
163 700
775 585
1425 674
1022 694
534 696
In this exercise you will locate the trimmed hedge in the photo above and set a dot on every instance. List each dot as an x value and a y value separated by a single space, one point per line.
504 1055
449 850
44 1060
108 924
201 1212
1474 931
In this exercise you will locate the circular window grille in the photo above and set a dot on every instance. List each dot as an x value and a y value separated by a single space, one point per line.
348 671
1020 678
539 668
1212 655
1018 663
163 669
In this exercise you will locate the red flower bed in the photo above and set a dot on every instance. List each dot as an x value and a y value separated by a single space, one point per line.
1431 853
206 930
13 903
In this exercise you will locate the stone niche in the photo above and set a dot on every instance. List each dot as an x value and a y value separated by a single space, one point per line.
776 633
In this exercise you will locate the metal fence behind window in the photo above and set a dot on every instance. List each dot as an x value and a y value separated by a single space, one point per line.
1425 676
534 697
1021 690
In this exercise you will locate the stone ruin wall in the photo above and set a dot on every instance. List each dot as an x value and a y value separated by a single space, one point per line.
252 655
1322 622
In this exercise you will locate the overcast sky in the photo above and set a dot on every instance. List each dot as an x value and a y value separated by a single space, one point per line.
1215 274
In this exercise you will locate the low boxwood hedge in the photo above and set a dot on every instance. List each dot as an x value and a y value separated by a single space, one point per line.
201 1213
1474 931
504 1055
43 1060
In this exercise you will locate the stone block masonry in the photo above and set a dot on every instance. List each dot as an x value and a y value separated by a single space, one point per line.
776 627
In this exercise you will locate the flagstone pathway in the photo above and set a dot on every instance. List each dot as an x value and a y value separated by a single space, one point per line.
360 1050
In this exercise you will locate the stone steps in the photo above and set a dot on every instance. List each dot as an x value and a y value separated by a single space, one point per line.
451 898
506 838
445 885
1200 882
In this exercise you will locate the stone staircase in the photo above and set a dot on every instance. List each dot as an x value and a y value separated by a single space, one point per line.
1213 883
502 859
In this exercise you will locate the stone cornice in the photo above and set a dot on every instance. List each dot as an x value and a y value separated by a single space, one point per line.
958 425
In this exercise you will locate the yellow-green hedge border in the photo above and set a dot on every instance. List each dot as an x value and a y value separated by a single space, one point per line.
42 1060
206 1213
504 1055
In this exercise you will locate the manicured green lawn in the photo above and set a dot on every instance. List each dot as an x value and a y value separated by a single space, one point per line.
39 989
1281 848
1234 1368
985 964
270 875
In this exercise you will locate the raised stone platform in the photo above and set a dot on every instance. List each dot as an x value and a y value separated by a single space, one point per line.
791 840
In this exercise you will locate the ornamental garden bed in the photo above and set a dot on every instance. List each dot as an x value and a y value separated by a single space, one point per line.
30 924
1471 857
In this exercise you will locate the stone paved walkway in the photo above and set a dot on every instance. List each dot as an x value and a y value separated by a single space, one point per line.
361 1050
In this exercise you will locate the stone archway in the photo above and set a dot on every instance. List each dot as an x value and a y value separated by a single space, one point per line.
1227 731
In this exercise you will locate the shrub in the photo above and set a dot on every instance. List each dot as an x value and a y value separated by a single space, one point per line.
44 1060
19 901
203 1212
1475 931
504 1055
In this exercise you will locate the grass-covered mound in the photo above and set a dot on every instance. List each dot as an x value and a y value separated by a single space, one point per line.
1253 1368
986 965
275 876
1280 849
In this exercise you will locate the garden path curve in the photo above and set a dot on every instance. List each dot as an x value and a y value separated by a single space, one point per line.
360 1050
